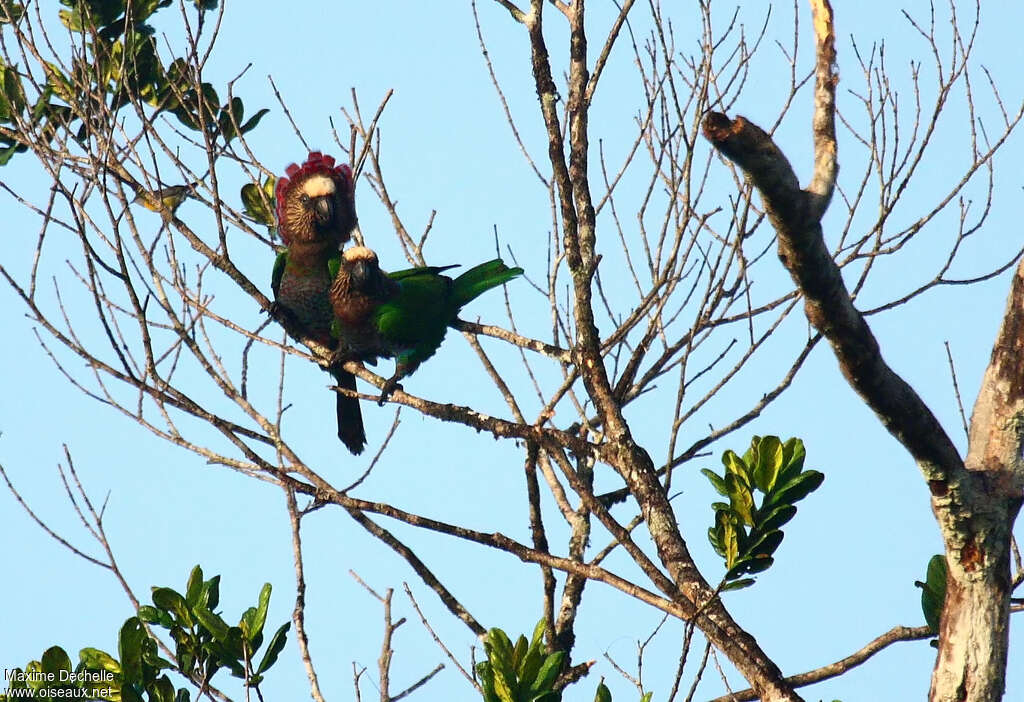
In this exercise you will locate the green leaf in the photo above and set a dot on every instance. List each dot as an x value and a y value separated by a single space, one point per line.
196 109
741 499
17 683
716 541
798 488
519 651
750 455
530 663
769 457
765 545
254 205
538 633
95 659
145 8
647 697
793 455
603 693
716 481
734 465
486 675
160 690
230 116
194 586
130 644
11 11
253 624
274 648
727 533
738 584
56 660
500 647
34 669
129 694
251 123
548 673
12 95
230 650
170 601
500 657
213 623
149 614
749 566
504 685
775 518
210 596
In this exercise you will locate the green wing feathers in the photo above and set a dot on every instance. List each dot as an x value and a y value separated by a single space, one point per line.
420 311
333 264
413 323
479 279
279 265
419 272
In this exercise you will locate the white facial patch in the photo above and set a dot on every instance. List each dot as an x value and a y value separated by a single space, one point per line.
359 253
318 186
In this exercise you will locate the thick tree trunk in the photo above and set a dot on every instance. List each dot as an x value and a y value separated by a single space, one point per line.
971 664
976 511
975 500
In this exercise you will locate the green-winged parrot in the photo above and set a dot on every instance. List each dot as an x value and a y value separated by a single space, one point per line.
402 315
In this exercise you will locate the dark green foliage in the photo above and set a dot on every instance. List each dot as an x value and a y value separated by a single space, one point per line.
258 202
520 673
204 643
10 11
119 63
12 104
605 695
933 592
525 672
746 534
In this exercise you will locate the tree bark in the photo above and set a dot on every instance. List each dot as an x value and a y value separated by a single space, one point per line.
689 588
976 500
976 510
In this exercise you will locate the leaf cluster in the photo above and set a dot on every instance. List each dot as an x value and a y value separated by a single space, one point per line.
116 64
204 645
746 534
204 642
525 672
258 202
519 673
98 675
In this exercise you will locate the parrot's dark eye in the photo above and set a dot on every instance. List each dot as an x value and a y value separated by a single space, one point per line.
304 199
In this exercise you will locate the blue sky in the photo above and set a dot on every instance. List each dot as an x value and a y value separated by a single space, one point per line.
846 569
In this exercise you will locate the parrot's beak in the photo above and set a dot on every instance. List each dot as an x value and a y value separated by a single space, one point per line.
323 210
362 275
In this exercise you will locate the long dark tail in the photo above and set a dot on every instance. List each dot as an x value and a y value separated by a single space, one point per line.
350 417
479 279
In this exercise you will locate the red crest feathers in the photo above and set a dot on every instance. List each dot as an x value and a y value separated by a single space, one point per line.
316 163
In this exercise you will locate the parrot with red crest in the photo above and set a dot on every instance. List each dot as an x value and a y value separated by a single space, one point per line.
316 215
